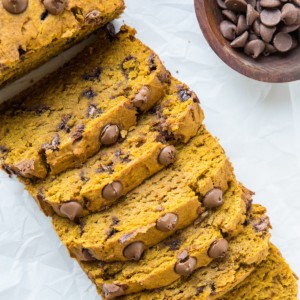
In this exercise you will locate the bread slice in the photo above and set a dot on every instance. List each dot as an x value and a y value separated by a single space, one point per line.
181 254
61 121
201 170
272 279
141 153
246 251
37 34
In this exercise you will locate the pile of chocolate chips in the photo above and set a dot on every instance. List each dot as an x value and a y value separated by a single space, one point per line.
261 27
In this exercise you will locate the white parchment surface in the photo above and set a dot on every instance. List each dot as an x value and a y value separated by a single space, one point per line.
257 123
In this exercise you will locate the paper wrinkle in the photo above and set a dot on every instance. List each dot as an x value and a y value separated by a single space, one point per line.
258 124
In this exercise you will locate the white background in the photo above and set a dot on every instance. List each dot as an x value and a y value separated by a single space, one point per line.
257 123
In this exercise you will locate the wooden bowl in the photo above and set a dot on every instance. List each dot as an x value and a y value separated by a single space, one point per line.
275 68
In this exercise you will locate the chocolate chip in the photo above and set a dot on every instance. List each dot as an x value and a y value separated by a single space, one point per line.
53 145
214 198
186 264
112 191
93 17
240 41
88 93
105 168
263 224
184 95
289 14
228 30
109 135
55 7
270 17
167 155
93 111
152 63
256 27
252 15
221 4
184 255
111 232
241 25
115 220
111 291
297 2
142 97
267 33
230 15
77 135
167 222
3 149
236 5
172 243
289 28
270 3
218 249
255 48
71 209
200 290
94 75
64 123
111 30
134 251
87 256
283 42
213 289
82 176
15 6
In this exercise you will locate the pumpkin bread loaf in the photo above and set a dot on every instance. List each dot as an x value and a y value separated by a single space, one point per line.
187 189
64 119
116 170
272 279
182 253
35 31
244 253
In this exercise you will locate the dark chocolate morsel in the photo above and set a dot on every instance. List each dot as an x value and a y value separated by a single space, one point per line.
112 191
185 264
214 198
15 6
134 251
167 155
55 7
218 249
111 291
71 209
142 97
110 134
167 222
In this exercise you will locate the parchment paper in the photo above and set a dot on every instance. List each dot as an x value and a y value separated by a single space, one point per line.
257 123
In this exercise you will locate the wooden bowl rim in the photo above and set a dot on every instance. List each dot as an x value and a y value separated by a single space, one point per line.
237 63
